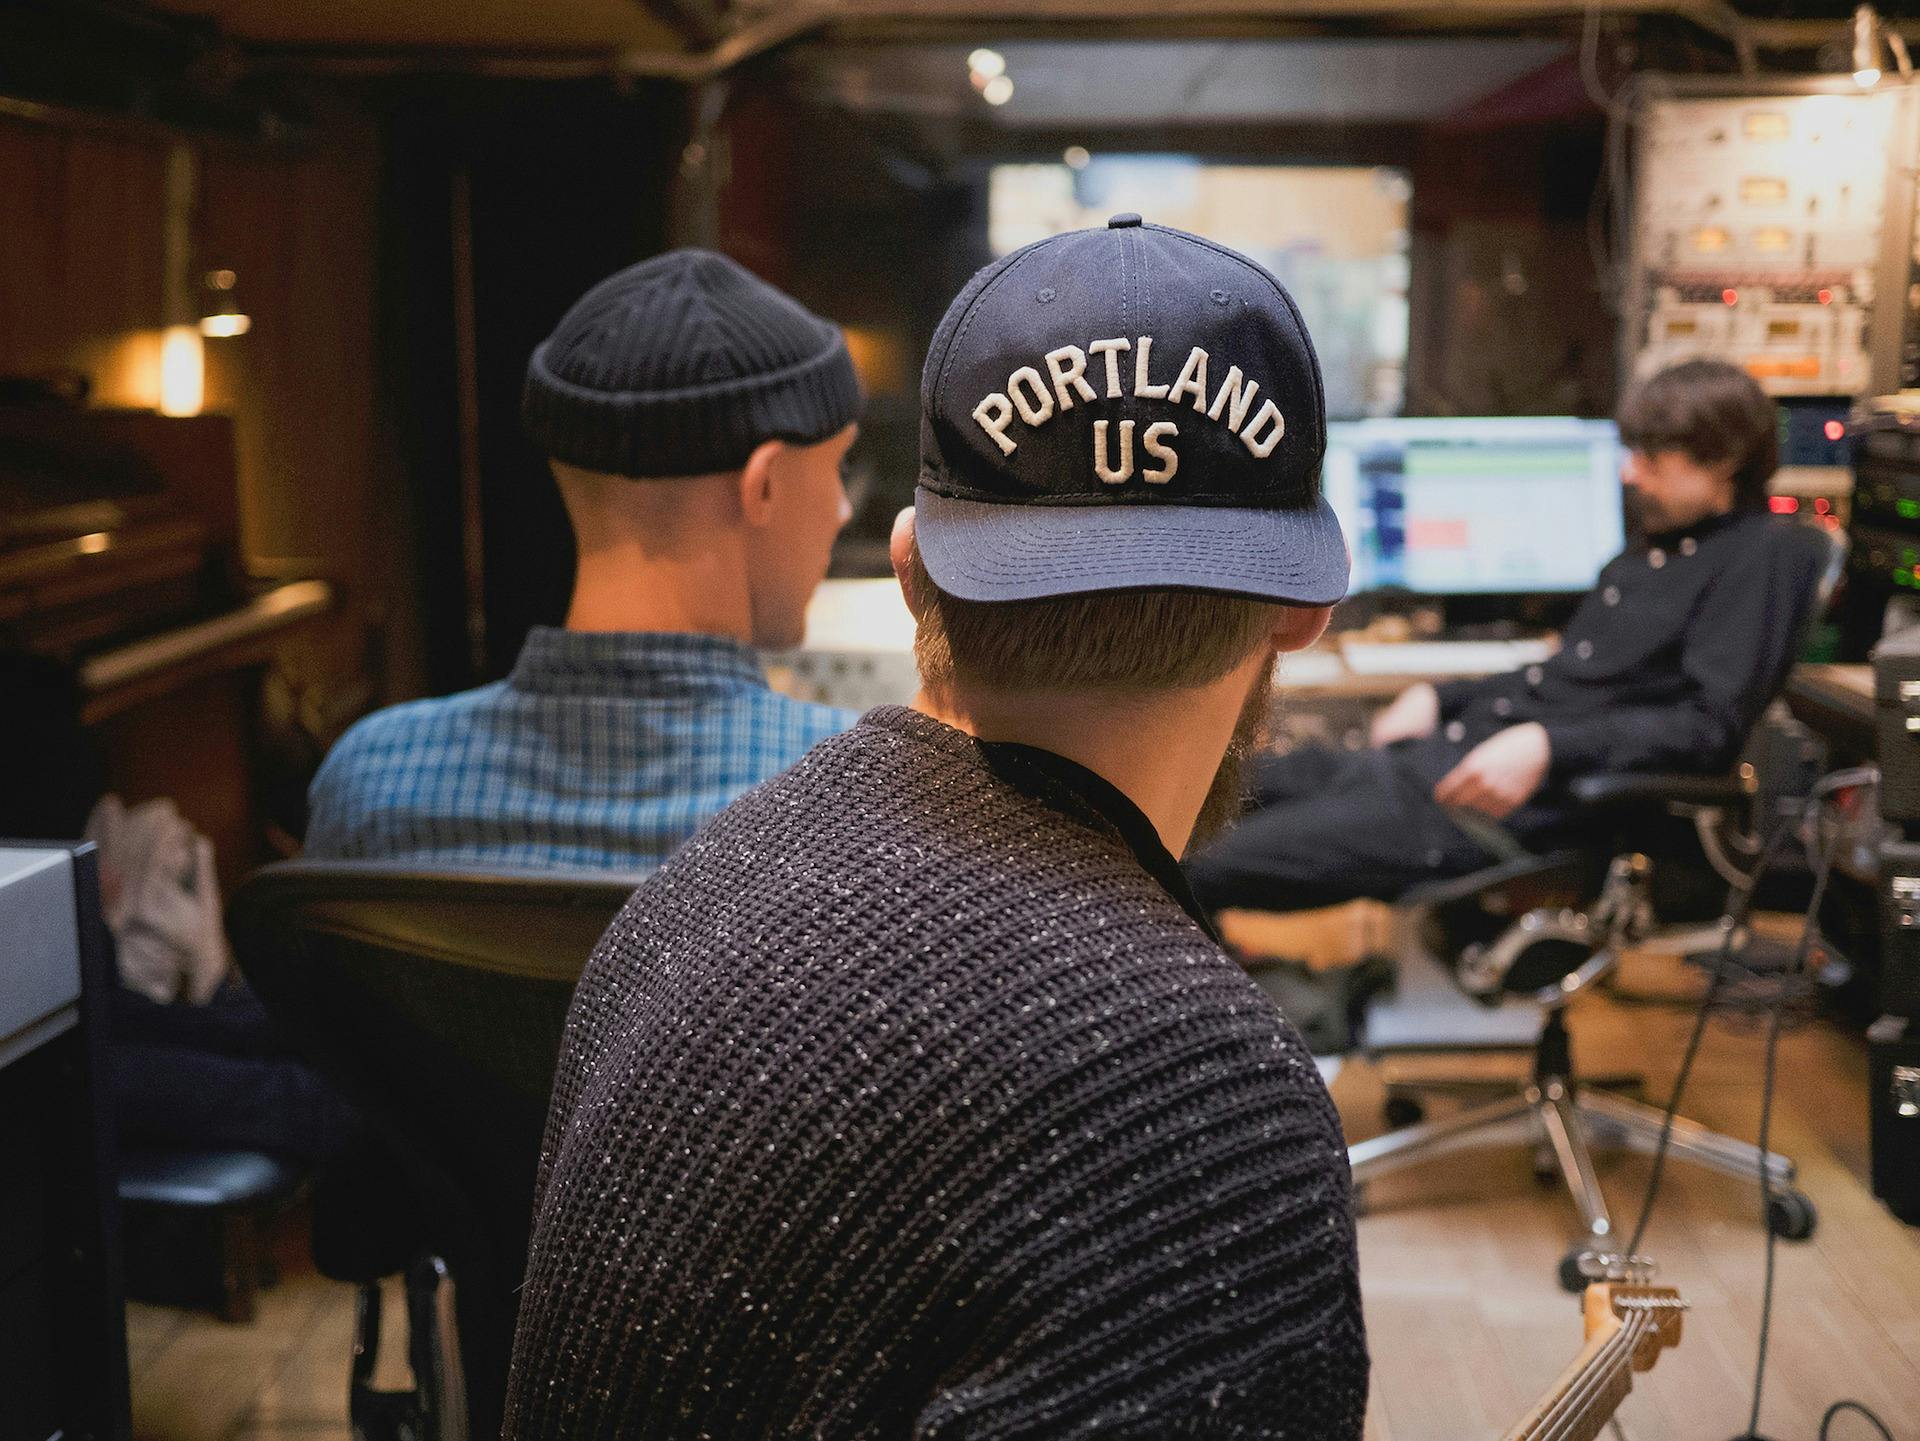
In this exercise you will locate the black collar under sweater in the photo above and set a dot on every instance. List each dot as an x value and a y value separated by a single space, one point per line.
1070 787
1065 786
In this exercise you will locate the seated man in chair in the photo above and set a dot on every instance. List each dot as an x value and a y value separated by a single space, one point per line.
1666 666
696 420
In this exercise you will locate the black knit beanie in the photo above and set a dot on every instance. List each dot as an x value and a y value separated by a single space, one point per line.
681 365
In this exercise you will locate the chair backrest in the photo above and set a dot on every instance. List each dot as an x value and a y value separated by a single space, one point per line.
1827 547
436 999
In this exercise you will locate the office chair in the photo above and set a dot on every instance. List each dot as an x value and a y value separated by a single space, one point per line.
436 1000
1547 928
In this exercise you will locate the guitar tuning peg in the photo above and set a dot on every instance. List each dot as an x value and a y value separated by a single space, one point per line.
1618 1269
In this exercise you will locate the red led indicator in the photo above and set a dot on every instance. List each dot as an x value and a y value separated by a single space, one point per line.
1782 504
1822 506
1834 429
1730 296
1825 296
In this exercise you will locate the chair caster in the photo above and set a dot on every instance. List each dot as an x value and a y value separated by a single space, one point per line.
1791 1215
1402 1111
1572 1278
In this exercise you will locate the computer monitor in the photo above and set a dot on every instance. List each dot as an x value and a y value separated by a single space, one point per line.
1476 505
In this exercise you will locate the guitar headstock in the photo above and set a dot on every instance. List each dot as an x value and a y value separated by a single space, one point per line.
1613 1305
1629 1323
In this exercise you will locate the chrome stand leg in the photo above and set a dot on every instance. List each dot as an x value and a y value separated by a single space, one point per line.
1397 1149
1566 1132
1689 1141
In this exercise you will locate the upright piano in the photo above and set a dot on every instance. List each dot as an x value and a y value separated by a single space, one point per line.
133 642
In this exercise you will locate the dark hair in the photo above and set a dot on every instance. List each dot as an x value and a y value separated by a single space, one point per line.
1713 413
1121 642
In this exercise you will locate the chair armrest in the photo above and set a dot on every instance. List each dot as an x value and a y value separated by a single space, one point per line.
1612 792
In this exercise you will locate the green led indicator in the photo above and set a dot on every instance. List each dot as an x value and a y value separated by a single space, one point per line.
1902 577
1909 509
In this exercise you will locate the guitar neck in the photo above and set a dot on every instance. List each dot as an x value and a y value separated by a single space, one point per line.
1577 1406
1628 1324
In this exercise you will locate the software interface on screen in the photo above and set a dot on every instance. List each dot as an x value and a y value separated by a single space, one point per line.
1463 506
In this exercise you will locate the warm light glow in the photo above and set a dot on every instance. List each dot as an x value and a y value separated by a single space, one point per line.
183 371
880 360
987 63
1076 156
93 544
997 91
220 314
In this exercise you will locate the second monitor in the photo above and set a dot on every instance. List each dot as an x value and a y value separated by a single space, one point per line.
1476 505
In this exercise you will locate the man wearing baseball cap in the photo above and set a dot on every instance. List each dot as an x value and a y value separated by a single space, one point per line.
915 1095
695 419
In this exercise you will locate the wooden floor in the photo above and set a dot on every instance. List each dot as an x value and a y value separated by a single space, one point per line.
1457 1263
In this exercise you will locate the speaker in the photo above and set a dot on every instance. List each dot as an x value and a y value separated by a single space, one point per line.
1896 709
1899 928
1893 1082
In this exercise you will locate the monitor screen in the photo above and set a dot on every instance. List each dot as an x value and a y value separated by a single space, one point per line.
1469 505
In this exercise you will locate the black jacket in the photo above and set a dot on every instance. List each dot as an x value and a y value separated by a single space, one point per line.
1669 660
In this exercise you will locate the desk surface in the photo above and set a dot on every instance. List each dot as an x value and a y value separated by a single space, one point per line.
1836 701
1852 683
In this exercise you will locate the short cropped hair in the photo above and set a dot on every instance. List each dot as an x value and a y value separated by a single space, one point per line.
1713 413
1125 642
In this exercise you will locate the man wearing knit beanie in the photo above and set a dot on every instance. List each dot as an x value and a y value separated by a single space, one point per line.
696 420
915 1097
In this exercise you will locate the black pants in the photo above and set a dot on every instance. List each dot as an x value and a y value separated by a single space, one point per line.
1330 826
217 1077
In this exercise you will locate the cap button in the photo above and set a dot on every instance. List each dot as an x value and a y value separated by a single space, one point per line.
1123 220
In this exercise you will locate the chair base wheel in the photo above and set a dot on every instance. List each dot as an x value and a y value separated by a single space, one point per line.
1791 1215
1402 1111
1572 1278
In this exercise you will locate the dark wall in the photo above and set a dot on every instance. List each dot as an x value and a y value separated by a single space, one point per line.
862 222
1508 312
564 183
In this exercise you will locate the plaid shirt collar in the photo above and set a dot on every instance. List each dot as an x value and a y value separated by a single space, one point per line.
629 664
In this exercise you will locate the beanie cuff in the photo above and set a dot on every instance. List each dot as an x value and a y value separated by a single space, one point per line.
694 431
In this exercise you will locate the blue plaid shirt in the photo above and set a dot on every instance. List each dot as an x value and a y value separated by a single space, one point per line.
602 749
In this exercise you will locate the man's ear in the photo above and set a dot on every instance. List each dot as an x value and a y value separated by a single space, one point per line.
757 480
1295 627
899 548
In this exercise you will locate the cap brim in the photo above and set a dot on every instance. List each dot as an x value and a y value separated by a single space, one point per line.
980 551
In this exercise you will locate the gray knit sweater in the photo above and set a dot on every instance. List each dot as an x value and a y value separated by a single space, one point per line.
904 1102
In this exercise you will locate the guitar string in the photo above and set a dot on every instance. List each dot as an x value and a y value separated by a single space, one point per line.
1644 1317
1567 1408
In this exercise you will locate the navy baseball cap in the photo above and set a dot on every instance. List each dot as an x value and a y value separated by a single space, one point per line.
1125 409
